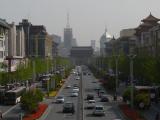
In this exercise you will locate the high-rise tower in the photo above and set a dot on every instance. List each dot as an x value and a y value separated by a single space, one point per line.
68 36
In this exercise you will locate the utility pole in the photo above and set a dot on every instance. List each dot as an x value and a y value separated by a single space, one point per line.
132 56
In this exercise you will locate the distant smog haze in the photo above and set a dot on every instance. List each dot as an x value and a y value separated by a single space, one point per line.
88 18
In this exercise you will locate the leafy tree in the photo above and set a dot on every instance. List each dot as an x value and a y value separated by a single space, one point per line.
30 100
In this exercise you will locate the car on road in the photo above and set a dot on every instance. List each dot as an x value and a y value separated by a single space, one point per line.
99 110
94 81
91 104
68 86
76 89
104 98
75 85
77 78
101 93
60 99
90 97
97 89
74 94
68 107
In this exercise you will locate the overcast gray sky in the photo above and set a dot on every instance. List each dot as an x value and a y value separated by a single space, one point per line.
88 18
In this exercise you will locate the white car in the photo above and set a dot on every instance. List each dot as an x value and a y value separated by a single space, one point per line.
99 110
60 99
74 94
77 78
91 104
76 89
68 86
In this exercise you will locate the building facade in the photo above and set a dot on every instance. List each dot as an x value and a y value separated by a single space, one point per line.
20 41
93 44
40 42
74 42
26 27
68 37
106 37
81 55
4 27
48 46
147 36
12 48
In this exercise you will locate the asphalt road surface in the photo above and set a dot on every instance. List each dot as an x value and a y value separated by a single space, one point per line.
111 110
56 110
87 85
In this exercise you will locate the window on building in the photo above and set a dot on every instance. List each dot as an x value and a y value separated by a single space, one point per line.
1 54
1 43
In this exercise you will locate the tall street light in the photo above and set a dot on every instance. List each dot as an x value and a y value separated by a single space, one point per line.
131 57
116 60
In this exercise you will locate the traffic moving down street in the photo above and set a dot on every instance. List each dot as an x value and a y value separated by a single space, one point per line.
83 98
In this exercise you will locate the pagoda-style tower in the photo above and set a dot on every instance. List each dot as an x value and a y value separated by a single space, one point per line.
145 44
146 24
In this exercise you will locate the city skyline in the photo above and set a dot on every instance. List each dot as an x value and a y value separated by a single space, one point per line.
87 18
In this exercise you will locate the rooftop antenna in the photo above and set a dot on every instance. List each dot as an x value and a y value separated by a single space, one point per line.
68 25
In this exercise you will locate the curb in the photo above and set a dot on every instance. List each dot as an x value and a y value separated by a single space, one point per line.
45 113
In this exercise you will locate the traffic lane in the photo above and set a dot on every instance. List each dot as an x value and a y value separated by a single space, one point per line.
56 111
5 108
111 111
12 114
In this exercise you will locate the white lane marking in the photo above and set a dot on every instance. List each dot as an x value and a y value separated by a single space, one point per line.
10 109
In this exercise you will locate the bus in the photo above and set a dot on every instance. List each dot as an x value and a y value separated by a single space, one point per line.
13 96
153 91
45 82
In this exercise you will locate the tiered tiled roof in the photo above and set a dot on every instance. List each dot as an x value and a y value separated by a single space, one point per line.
147 23
150 18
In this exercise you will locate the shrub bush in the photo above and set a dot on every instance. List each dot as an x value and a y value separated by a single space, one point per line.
30 100
142 98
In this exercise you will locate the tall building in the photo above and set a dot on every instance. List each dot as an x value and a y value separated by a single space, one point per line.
3 39
37 37
12 40
16 45
68 36
20 41
93 44
106 37
26 27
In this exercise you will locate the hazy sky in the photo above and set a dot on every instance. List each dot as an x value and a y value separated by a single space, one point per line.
88 18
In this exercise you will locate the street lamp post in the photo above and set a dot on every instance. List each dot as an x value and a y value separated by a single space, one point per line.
34 69
116 81
116 60
132 56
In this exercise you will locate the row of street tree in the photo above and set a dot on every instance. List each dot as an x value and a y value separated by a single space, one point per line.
146 68
33 67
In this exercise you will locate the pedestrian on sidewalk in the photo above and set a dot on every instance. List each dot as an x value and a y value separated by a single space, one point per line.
157 117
